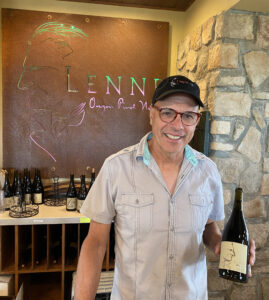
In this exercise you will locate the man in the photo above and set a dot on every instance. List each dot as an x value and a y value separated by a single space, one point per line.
165 199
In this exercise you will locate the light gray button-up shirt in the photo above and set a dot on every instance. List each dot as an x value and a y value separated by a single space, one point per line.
159 246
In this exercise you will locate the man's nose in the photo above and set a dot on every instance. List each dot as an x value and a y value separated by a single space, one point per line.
178 122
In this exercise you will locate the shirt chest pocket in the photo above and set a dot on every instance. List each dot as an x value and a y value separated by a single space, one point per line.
135 212
194 214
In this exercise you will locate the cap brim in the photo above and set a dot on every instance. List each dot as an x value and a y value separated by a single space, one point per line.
171 92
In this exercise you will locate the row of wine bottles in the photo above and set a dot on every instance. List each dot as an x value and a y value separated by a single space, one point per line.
23 191
74 198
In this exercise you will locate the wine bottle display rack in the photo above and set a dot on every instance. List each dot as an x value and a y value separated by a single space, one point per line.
43 258
18 212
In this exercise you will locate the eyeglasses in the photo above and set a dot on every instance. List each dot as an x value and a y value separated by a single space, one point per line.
168 115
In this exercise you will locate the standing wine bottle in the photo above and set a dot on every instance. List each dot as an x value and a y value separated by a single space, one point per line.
27 187
82 192
71 195
38 190
15 177
18 193
8 194
235 244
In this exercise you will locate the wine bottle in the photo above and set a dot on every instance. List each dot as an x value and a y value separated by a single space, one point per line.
15 175
38 190
56 252
27 187
235 244
8 194
92 178
71 195
26 256
18 193
82 192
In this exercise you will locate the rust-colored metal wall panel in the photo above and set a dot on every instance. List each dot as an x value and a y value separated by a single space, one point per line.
76 88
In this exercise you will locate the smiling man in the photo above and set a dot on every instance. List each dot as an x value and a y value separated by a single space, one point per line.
165 199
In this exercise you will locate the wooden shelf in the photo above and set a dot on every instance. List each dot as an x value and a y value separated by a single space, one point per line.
53 235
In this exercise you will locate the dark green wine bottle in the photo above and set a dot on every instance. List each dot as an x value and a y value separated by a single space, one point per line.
71 195
235 244
8 194
38 190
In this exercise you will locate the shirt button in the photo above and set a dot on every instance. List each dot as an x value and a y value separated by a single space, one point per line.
171 256
137 201
172 229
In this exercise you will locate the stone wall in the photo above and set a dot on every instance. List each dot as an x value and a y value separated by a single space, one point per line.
228 56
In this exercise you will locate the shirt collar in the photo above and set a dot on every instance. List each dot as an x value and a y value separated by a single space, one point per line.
144 153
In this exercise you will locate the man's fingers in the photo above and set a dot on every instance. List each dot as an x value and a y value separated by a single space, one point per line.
252 252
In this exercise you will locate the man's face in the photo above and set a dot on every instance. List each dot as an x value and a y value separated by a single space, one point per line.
171 138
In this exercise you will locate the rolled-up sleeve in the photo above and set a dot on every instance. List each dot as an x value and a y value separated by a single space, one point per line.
99 205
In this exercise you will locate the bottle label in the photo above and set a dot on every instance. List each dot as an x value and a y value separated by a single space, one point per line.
233 256
16 200
38 198
27 198
8 202
71 203
79 204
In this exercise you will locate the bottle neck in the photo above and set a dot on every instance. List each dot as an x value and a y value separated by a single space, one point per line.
238 200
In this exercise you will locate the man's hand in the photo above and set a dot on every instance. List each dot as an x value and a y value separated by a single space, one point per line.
252 256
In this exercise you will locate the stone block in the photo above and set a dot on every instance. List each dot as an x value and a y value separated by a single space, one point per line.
221 146
266 164
237 26
265 185
223 56
260 233
265 287
257 67
245 292
202 65
231 104
215 283
232 81
262 32
220 127
191 60
254 208
251 145
196 39
258 117
208 29
261 95
230 169
251 178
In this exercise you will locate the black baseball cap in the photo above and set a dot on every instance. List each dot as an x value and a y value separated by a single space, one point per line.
177 84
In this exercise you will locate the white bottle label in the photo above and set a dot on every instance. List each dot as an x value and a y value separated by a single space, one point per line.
233 256
71 203
38 198
79 204
16 200
27 198
8 202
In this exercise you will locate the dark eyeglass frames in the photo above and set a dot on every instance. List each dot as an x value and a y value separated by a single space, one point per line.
168 115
